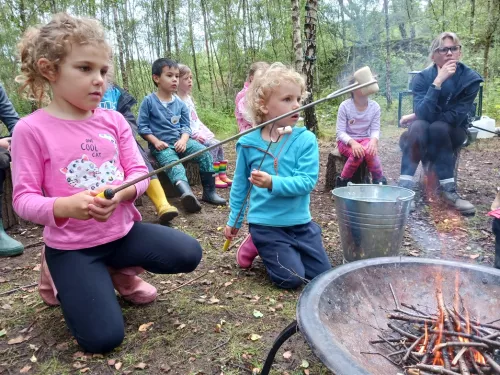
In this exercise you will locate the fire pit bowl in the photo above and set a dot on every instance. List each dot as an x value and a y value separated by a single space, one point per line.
339 311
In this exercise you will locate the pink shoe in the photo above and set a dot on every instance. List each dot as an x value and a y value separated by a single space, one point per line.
46 287
246 253
131 287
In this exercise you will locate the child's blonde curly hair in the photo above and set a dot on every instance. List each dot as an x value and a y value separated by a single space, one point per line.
52 41
263 85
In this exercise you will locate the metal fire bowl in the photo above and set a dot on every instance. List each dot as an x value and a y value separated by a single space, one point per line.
339 311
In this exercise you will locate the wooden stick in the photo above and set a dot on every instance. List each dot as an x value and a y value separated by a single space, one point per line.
460 344
382 355
16 289
472 337
410 319
411 307
428 350
494 366
473 361
412 346
436 369
394 296
401 332
182 285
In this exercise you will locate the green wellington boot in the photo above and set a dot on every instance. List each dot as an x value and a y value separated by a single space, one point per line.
8 245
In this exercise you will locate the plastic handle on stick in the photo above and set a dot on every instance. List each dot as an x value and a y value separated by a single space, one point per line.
101 195
226 245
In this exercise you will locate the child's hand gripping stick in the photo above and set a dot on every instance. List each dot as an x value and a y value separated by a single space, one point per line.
228 241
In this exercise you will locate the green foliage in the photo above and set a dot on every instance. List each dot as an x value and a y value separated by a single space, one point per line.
221 123
491 101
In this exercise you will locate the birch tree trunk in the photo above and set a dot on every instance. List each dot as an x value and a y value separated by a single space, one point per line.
119 37
191 40
297 42
388 94
207 48
310 120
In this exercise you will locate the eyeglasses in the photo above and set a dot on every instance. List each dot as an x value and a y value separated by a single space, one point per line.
445 50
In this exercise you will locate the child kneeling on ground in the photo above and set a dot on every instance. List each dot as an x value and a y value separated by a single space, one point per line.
280 224
358 131
64 155
164 122
495 213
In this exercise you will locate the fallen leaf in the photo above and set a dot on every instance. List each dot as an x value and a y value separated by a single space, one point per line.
255 370
2 280
228 283
62 346
118 365
3 332
304 364
144 327
474 256
165 368
140 366
279 306
25 369
33 358
111 362
85 369
219 228
34 347
80 355
37 267
181 326
78 365
19 339
6 307
257 314
213 301
287 354
97 355
255 337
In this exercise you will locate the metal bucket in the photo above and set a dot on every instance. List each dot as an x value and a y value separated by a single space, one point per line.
371 219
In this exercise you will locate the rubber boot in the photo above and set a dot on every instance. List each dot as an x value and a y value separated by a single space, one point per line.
246 253
407 184
222 173
209 194
496 232
8 245
46 287
131 287
341 182
381 181
188 199
219 184
449 194
166 212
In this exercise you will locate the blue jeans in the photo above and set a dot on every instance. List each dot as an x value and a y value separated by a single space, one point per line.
291 254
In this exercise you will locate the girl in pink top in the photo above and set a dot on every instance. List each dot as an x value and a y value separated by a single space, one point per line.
65 154
199 131
358 131
239 102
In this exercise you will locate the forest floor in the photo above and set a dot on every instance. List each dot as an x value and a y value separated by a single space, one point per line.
225 321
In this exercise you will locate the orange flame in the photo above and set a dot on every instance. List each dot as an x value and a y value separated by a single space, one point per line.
438 360
478 357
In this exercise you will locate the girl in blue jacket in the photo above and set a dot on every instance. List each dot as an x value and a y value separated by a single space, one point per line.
280 223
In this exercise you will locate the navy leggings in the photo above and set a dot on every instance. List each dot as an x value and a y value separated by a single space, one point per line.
85 289
496 232
291 254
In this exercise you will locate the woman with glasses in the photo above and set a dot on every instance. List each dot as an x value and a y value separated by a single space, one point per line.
443 97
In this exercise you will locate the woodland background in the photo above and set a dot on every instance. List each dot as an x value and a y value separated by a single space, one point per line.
219 39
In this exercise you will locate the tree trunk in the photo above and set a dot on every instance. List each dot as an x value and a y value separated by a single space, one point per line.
193 52
119 37
245 49
174 23
310 20
167 30
341 7
297 42
388 94
205 30
472 13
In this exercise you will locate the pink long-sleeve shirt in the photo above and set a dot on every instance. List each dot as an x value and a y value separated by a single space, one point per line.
239 110
54 158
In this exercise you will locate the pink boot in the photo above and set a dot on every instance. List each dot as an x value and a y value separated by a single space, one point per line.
46 286
246 253
131 287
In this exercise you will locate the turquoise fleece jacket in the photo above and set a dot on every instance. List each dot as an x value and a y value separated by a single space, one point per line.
294 167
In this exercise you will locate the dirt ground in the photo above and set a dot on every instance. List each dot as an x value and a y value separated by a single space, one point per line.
225 320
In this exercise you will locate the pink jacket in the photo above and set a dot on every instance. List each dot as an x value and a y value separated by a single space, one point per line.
239 110
198 128
54 158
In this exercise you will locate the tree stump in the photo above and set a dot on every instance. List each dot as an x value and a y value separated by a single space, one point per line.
9 217
334 167
192 174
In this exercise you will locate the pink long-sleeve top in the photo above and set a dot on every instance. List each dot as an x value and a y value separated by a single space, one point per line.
354 124
54 158
239 110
